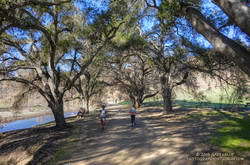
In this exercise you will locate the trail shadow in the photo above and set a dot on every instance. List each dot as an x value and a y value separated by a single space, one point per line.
234 131
35 143
151 142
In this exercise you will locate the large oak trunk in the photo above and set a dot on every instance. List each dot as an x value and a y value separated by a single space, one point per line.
166 92
167 99
58 112
137 103
87 105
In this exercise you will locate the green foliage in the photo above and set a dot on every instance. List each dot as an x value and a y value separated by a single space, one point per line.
169 9
126 103
137 41
239 93
131 41
234 132
120 40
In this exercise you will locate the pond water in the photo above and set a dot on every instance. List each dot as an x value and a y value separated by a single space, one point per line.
31 122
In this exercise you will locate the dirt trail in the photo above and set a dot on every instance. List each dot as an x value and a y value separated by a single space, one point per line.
151 142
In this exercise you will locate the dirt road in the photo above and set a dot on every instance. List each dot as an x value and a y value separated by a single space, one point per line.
152 142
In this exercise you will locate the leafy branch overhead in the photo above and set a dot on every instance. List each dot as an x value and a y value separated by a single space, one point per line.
143 47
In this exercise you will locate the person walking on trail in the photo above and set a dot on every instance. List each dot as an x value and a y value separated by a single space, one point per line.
103 116
132 113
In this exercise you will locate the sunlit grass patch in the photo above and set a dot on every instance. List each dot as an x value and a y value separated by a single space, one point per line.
227 122
125 103
203 114
210 113
153 103
229 129
232 115
233 133
231 142
233 128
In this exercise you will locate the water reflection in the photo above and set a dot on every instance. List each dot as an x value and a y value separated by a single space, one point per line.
28 123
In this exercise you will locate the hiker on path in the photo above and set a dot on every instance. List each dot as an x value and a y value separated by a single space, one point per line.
103 116
132 113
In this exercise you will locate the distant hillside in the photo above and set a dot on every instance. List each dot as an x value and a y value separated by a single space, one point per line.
12 95
15 95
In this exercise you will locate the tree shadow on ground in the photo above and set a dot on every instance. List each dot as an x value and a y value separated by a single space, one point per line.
152 141
38 143
234 131
33 144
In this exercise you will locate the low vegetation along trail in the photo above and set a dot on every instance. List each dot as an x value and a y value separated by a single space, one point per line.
153 141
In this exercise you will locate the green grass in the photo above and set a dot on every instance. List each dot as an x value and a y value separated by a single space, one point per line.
233 133
204 104
232 129
153 103
217 96
125 103
203 115
193 104
214 95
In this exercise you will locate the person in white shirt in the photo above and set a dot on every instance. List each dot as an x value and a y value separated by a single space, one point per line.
103 116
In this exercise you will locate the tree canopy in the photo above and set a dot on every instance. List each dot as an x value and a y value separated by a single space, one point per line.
65 44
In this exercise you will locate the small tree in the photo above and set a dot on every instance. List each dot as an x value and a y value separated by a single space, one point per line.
133 76
90 84
168 58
